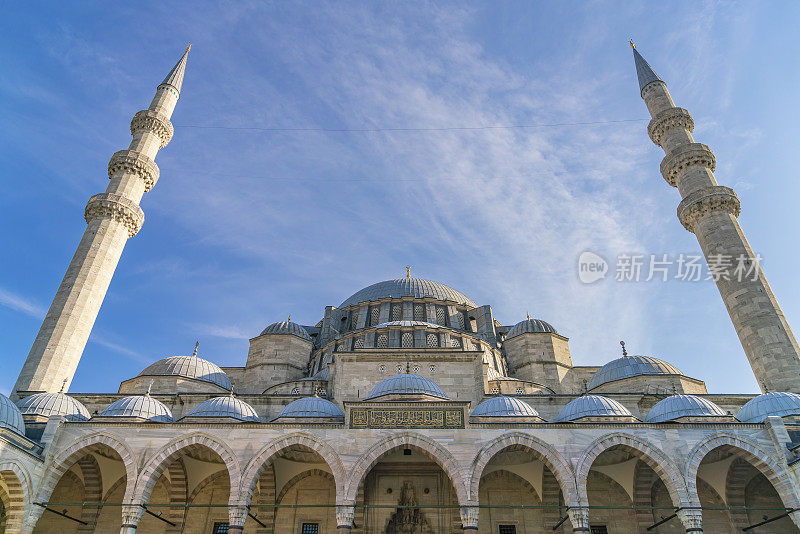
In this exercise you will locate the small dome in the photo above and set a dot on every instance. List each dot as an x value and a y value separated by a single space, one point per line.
10 416
140 407
592 406
311 407
49 404
287 328
504 407
408 287
225 407
531 326
406 384
678 406
189 367
629 366
776 403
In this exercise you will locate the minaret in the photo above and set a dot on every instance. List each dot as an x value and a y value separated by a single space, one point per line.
710 211
112 217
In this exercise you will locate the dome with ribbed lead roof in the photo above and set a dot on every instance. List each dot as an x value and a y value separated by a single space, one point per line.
774 403
10 416
503 406
50 404
630 366
679 406
192 367
227 406
406 384
139 407
531 326
408 287
594 406
287 328
311 407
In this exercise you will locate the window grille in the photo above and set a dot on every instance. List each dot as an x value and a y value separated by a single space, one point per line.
359 344
507 529
455 342
495 391
441 318
415 369
432 341
408 340
419 313
295 391
354 321
520 391
382 369
397 312
432 369
220 528
383 341
374 316
598 529
460 320
310 528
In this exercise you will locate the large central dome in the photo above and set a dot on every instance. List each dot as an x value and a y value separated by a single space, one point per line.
408 287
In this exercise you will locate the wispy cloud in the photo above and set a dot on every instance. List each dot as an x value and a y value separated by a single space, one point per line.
19 303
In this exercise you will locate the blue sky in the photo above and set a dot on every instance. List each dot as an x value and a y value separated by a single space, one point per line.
246 226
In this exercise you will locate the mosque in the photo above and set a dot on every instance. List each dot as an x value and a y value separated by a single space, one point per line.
407 408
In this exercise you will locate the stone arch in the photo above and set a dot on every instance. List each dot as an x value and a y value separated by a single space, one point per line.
256 466
647 452
92 488
739 474
79 448
427 446
172 450
550 457
297 478
210 479
178 491
16 493
749 451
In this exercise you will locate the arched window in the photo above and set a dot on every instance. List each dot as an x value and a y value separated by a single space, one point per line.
407 340
383 341
432 341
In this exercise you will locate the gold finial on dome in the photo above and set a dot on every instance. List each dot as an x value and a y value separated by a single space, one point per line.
63 386
189 47
633 45
528 315
289 318
196 344
408 271
149 387
624 352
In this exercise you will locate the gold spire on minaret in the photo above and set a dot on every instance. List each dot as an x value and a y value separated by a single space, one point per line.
196 344
189 47
408 271
633 45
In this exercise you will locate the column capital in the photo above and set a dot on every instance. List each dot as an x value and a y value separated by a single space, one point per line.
344 516
692 519
133 162
151 121
117 208
685 156
667 120
469 517
579 517
702 202
237 515
131 514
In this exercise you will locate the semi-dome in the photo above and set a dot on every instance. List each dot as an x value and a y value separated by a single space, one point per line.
408 287
10 416
139 407
311 407
227 406
592 406
50 404
678 406
503 406
777 403
287 328
406 384
531 326
629 366
192 367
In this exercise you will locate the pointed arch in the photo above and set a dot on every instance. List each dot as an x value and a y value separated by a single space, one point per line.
646 451
260 461
749 450
297 478
161 460
550 457
79 448
426 445
18 489
92 488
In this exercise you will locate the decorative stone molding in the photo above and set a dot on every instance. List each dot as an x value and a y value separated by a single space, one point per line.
692 519
237 515
579 517
133 162
685 156
469 516
705 201
345 515
116 208
667 120
131 514
151 121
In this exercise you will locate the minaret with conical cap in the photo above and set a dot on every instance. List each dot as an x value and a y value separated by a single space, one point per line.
112 217
710 211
